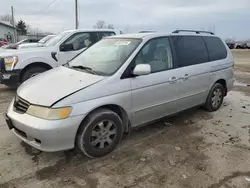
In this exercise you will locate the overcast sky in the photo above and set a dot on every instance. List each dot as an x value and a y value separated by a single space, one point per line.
228 18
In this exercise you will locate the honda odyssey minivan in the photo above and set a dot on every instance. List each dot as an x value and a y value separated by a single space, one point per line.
119 83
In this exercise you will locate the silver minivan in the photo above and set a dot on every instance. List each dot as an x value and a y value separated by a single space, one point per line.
119 83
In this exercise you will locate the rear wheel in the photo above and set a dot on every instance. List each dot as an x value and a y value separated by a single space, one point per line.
215 97
31 72
100 133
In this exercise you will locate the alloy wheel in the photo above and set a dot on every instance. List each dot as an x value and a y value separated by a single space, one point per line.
103 134
217 98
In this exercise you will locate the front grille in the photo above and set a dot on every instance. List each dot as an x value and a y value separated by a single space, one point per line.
21 105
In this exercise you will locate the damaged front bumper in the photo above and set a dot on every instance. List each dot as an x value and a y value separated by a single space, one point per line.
9 78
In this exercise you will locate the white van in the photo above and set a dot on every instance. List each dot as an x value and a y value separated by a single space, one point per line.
16 66
120 82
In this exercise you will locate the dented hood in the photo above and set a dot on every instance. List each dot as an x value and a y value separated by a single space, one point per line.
47 88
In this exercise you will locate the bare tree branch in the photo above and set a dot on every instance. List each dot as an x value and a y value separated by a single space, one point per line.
102 24
6 18
110 26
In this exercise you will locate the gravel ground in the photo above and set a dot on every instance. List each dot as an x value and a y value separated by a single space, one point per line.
194 149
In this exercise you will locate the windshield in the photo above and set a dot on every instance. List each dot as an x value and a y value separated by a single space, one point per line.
45 39
57 38
106 56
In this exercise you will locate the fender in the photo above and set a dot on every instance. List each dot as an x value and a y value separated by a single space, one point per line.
29 61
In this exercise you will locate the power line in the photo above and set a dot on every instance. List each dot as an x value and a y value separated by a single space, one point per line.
56 6
47 6
42 10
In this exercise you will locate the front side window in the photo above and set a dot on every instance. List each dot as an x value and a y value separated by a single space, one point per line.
190 50
106 56
81 40
157 53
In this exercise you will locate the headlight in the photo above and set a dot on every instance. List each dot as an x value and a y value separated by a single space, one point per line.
10 62
49 113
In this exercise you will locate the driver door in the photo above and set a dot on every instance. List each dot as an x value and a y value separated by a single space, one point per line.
79 41
154 95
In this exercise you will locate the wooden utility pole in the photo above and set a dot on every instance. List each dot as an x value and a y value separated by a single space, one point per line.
13 24
76 14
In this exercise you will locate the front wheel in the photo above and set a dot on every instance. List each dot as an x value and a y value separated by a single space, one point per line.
31 72
215 97
100 133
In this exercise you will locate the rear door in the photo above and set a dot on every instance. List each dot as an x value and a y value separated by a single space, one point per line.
80 41
193 62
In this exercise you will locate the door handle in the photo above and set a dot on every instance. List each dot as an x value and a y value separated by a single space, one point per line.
172 80
185 77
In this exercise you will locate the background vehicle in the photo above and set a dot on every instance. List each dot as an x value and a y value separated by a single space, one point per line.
40 43
22 64
243 46
231 45
3 42
146 31
15 46
121 81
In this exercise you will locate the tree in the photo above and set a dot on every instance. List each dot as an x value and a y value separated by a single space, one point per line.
6 18
21 26
110 26
101 24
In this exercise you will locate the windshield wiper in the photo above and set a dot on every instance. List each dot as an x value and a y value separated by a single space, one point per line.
66 64
88 69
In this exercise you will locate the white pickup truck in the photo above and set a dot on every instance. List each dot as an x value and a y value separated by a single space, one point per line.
16 66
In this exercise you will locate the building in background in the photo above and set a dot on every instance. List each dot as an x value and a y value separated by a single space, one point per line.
7 31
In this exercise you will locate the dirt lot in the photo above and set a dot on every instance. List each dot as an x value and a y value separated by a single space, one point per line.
195 149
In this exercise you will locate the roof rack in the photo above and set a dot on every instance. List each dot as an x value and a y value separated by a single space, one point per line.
197 32
146 31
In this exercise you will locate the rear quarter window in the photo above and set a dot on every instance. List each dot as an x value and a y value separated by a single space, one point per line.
216 48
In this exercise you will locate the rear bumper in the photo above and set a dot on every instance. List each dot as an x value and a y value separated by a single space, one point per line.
45 135
230 84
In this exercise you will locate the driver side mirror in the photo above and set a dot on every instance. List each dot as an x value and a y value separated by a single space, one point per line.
142 69
66 47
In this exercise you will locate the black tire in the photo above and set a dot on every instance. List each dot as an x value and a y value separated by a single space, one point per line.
209 105
85 138
30 72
